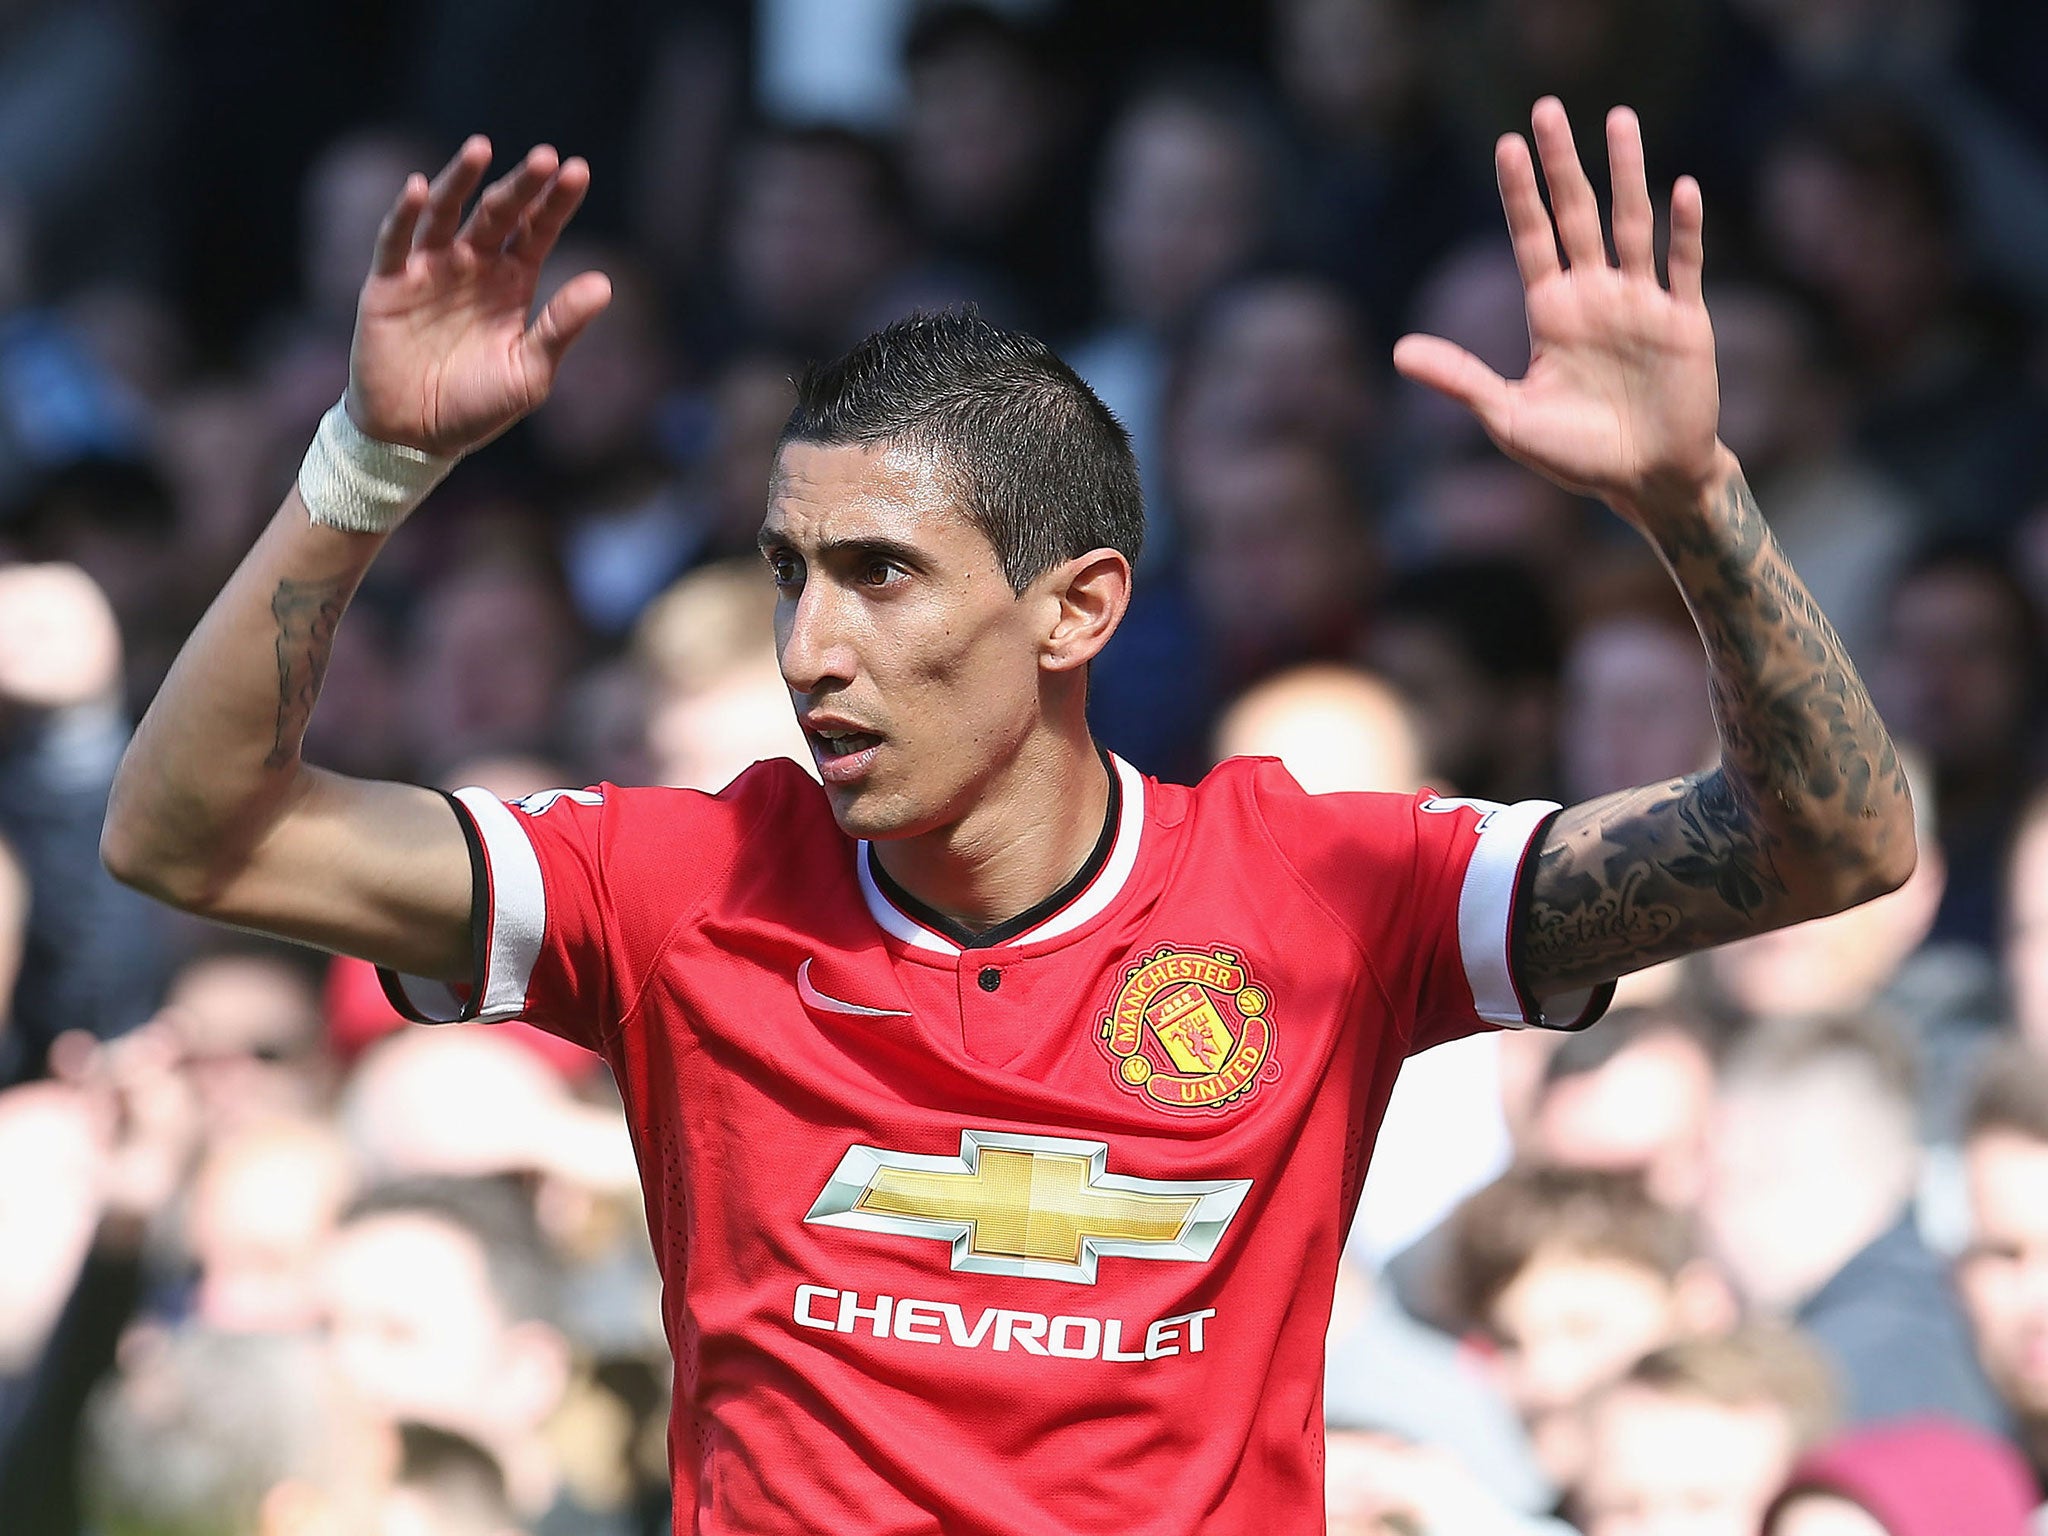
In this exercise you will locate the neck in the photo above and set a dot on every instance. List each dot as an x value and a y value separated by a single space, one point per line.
1029 832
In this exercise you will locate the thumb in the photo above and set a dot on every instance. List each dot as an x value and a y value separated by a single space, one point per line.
575 304
1449 369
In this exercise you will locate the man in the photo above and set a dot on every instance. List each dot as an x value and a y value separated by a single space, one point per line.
1698 1436
1564 1278
1809 1205
2002 1274
439 1301
1634 1096
998 1147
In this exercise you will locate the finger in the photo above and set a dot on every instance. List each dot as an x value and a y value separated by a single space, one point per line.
565 317
1688 245
1635 222
1571 195
394 235
546 217
451 189
497 212
1528 220
1449 369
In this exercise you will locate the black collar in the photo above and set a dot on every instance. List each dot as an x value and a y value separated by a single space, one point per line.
1032 916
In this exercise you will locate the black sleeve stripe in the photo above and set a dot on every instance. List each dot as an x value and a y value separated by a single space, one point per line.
479 929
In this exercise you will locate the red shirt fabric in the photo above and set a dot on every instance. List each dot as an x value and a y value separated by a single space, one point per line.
1032 1237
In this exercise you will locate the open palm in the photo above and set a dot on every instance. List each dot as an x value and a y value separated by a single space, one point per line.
444 356
1620 399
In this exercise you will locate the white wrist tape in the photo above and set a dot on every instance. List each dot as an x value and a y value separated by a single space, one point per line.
356 483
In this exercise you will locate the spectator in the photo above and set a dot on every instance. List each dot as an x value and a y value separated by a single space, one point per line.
815 235
245 1013
2002 1274
1917 1477
1387 181
1274 355
1809 1205
1633 1096
491 651
1473 647
1334 727
1857 202
1633 707
1567 1278
103 1154
626 525
987 151
263 1202
1699 1435
233 1435
1279 558
1182 205
440 1301
719 702
92 958
1961 679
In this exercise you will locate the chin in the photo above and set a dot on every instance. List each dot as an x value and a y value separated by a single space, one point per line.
860 812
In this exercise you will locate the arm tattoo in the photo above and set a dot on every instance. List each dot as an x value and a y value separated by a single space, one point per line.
307 613
1808 794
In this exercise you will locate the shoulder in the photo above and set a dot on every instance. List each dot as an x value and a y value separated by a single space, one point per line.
1261 791
622 826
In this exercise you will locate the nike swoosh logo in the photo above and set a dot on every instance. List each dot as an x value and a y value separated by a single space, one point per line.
813 998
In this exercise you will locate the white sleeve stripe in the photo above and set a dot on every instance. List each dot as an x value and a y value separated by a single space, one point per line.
1486 910
517 917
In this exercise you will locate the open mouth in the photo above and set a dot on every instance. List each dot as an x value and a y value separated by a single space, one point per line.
843 756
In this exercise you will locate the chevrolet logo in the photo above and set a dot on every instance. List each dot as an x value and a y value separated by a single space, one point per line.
1039 1206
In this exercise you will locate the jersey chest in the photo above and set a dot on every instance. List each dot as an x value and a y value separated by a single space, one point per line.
1128 1111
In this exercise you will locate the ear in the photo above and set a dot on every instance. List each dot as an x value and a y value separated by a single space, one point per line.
1089 596
536 1368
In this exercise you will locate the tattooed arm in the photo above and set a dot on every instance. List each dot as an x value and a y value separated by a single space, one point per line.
1808 810
213 809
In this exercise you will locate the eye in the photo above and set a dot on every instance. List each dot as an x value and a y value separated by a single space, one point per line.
785 568
878 571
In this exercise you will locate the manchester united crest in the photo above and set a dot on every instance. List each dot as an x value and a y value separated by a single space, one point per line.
1190 1031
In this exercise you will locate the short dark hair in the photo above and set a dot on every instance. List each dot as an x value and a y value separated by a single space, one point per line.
461 1483
2010 1094
1039 463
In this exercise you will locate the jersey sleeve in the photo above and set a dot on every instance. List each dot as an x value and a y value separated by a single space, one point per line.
1434 889
574 892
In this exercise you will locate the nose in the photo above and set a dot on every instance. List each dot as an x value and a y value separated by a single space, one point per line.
809 645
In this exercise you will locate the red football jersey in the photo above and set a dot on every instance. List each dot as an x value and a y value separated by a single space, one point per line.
1033 1233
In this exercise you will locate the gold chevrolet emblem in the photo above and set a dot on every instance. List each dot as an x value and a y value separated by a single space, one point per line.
1043 1206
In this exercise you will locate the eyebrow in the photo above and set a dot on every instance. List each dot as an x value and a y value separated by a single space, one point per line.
889 549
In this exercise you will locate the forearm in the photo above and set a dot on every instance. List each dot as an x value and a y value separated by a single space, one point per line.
1808 811
216 757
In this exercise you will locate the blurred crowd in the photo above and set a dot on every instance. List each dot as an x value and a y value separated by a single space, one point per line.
1765 1251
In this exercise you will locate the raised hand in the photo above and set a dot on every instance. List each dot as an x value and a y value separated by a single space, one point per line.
1620 400
444 357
